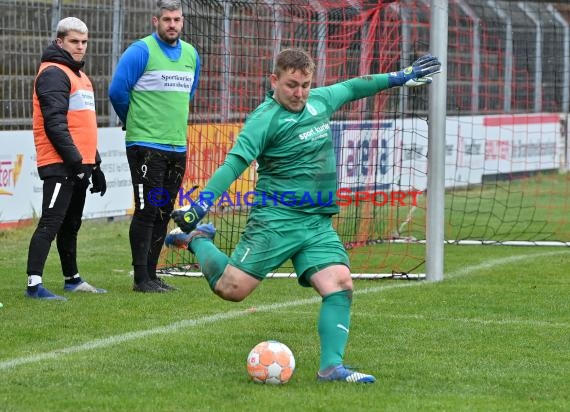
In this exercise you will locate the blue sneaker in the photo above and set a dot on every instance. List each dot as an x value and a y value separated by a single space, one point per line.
177 239
82 287
43 293
341 373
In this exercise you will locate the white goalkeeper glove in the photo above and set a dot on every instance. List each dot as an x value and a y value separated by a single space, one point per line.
418 74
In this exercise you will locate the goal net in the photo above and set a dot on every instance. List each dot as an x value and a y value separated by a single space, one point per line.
507 106
508 86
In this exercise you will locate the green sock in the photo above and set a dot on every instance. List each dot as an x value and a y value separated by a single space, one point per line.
212 260
334 323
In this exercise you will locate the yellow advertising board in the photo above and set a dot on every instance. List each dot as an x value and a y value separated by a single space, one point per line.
208 145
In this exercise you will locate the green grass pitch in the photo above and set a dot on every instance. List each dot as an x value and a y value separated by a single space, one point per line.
492 336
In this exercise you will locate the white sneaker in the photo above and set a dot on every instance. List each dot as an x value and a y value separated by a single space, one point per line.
82 287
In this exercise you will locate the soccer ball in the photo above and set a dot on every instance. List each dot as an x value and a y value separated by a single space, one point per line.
270 362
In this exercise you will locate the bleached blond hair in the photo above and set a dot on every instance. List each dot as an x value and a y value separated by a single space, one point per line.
70 24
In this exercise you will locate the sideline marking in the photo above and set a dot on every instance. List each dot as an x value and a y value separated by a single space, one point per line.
173 327
486 322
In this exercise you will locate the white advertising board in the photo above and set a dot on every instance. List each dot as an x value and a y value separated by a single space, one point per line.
392 155
21 188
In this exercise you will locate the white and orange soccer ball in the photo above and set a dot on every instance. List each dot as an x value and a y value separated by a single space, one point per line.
271 362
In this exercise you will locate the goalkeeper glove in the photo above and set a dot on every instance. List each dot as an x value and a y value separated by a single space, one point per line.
187 218
98 180
419 73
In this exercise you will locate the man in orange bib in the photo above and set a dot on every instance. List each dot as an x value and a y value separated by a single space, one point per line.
65 135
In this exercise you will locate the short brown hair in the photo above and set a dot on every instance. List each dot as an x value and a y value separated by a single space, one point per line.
293 59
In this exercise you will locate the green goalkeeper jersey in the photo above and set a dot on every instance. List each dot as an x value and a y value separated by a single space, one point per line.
294 151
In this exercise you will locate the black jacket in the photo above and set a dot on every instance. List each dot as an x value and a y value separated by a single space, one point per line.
52 87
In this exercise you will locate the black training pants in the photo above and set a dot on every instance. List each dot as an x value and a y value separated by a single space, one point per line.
62 210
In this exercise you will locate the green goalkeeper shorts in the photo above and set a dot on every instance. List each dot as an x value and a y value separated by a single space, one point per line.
274 235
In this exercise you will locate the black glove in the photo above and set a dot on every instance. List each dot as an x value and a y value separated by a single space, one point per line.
80 173
98 181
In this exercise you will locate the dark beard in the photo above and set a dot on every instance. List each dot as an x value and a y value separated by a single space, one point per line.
167 40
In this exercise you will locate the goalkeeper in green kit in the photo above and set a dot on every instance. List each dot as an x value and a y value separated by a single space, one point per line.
290 138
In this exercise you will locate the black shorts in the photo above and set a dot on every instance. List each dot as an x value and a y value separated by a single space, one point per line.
156 176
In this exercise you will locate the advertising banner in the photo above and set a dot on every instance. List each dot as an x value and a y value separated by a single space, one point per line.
375 156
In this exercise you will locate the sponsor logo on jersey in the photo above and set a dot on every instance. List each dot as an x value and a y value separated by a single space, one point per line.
316 132
311 109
